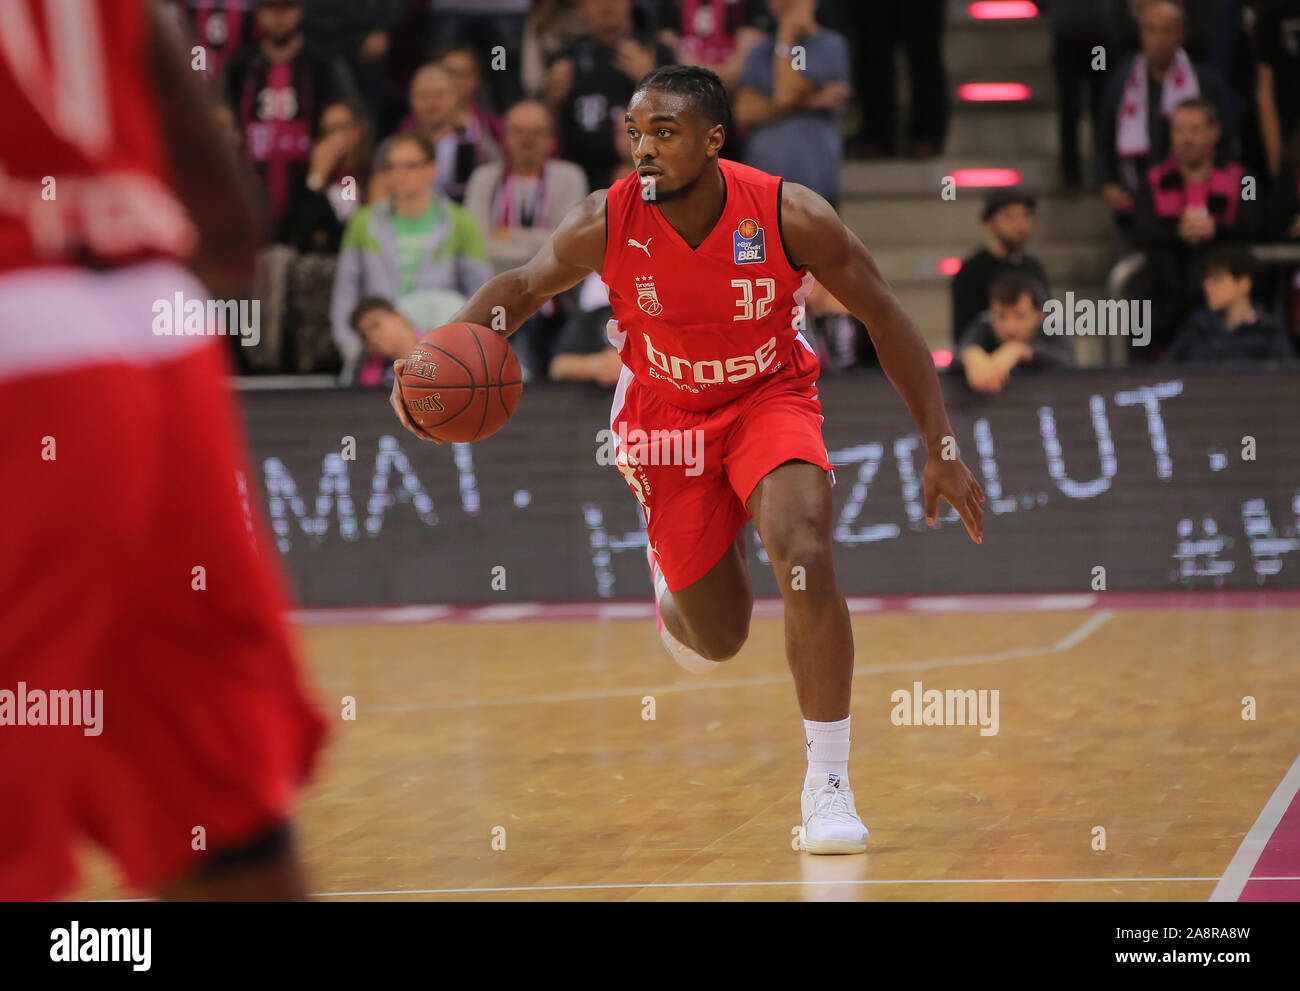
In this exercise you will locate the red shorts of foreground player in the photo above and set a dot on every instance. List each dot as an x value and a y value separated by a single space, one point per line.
205 729
694 510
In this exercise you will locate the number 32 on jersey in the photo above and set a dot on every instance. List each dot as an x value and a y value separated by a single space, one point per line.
749 307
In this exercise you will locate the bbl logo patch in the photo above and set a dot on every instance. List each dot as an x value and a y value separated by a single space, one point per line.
748 242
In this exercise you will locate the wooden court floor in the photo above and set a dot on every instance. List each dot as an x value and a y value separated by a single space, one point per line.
514 760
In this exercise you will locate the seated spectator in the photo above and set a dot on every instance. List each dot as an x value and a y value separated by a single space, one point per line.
416 239
792 88
338 180
590 83
461 143
390 331
840 340
1008 336
1008 222
278 89
1133 131
583 352
519 202
1277 81
1187 206
462 64
1230 328
714 34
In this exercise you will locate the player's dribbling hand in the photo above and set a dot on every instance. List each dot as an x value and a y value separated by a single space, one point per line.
398 403
953 481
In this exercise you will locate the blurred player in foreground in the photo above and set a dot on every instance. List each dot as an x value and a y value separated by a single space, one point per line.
150 700
708 264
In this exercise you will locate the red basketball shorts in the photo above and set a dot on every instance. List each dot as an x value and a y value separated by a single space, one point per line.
143 612
693 472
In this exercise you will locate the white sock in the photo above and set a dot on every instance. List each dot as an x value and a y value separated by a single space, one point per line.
827 748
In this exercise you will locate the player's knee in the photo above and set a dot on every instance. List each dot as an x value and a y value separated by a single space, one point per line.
723 642
800 552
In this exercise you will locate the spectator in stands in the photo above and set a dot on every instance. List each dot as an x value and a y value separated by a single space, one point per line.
792 88
466 70
519 202
386 334
485 26
1010 336
1008 221
278 89
840 340
461 143
583 352
550 28
219 27
360 35
416 239
338 180
1078 30
1187 206
590 83
1230 328
1277 90
715 34
1133 130
876 30
389 331
1284 225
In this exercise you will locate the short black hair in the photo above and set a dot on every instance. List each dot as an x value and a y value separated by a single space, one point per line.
1234 259
1204 106
368 304
701 85
1008 287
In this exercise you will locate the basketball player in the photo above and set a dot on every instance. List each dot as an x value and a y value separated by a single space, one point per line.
708 263
149 696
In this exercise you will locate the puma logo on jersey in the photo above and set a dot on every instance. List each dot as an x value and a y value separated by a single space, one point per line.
632 242
736 369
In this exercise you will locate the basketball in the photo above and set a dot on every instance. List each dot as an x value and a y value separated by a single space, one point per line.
461 383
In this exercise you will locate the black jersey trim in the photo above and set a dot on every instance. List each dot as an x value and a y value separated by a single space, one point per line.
780 229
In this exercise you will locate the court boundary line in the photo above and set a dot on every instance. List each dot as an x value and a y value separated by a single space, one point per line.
1234 878
1067 642
1198 600
769 884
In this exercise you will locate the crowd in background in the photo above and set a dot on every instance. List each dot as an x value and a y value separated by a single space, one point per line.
408 149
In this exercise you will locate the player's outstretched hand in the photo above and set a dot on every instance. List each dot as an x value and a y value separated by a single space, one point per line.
396 401
953 481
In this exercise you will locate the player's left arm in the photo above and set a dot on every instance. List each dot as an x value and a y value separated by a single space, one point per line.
814 236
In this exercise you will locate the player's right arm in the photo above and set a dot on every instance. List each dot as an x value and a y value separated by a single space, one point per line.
505 301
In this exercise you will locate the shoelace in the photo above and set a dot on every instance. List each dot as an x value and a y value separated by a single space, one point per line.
833 803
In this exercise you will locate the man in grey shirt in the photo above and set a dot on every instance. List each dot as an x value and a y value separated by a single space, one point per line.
792 88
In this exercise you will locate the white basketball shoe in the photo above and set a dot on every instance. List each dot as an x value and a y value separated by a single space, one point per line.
830 819
679 652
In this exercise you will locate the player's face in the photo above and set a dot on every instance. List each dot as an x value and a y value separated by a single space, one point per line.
672 143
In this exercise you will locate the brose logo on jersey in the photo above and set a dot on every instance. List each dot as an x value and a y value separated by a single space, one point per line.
747 239
710 372
646 296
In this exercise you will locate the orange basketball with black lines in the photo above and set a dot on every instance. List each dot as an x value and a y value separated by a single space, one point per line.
461 383
748 229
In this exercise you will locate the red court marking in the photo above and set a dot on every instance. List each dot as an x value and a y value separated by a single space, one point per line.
640 609
1281 860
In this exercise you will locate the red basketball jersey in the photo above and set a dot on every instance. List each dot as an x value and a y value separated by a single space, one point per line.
701 326
82 174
